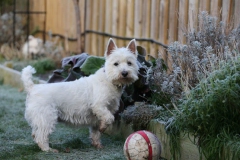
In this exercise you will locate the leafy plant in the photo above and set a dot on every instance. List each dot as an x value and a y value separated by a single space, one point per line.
92 64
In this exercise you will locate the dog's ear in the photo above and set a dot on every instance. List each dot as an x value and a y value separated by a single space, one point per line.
110 47
132 46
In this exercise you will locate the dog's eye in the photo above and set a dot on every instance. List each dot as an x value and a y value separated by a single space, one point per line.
116 64
129 63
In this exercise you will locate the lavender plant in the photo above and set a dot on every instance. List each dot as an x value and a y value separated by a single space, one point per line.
195 60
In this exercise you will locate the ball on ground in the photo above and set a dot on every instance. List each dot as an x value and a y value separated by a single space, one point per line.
142 145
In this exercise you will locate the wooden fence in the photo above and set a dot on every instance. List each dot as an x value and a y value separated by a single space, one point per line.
163 21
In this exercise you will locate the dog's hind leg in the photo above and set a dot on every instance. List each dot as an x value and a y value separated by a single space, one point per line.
95 137
42 126
41 138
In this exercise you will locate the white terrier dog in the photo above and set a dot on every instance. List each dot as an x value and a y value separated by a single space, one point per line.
89 101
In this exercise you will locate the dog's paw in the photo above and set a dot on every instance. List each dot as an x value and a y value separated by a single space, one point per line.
53 150
50 150
98 146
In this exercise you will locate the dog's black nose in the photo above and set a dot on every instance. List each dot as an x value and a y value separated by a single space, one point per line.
124 73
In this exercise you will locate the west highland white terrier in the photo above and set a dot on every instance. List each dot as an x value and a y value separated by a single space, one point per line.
89 101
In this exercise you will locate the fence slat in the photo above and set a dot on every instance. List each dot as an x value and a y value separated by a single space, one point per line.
100 39
130 18
138 19
204 5
115 18
192 15
236 13
173 21
95 21
122 21
88 26
183 20
108 21
154 26
215 7
146 22
164 20
226 10
163 26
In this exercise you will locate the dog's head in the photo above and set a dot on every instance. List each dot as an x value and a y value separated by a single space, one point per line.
121 63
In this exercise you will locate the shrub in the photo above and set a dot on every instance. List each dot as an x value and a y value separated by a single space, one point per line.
140 114
211 113
43 65
193 61
204 83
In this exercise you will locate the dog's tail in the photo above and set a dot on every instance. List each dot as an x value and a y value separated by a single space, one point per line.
27 77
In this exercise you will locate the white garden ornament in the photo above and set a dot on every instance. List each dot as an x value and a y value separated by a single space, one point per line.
142 145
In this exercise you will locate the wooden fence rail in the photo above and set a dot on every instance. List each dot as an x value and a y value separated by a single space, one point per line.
164 21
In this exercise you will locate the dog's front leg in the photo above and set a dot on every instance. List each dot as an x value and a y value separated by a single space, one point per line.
95 137
105 117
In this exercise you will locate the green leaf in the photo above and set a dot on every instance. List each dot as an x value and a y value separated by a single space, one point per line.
152 60
92 64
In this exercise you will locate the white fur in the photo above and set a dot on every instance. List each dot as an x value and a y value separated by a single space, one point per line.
90 101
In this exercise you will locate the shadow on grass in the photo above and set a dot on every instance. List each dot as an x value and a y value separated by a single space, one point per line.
69 145
28 151
18 150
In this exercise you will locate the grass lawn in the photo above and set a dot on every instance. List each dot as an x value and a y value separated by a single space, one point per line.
73 143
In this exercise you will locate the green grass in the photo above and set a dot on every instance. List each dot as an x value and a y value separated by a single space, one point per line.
73 143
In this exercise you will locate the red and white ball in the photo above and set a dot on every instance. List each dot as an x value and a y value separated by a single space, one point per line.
142 145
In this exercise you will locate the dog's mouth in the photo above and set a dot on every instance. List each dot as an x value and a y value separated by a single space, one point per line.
123 81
